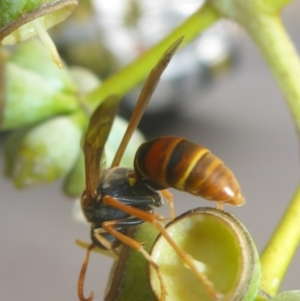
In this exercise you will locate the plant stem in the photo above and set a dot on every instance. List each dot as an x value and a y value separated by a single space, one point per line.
272 6
266 29
47 41
127 78
270 36
280 249
276 47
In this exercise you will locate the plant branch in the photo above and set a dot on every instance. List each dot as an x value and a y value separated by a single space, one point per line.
280 249
266 29
272 6
282 58
270 36
124 80
277 49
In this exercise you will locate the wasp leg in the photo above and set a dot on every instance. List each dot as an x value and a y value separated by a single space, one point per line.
109 245
82 276
100 235
104 241
110 227
170 200
220 205
149 217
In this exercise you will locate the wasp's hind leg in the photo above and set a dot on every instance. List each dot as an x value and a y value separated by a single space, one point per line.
82 276
112 228
104 240
170 200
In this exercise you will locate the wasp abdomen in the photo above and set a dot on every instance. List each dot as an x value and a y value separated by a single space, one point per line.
178 163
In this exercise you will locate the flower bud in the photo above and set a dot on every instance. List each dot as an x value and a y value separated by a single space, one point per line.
30 98
45 152
74 182
35 88
32 56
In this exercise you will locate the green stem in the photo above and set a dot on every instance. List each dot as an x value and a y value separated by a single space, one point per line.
280 249
282 57
270 36
266 29
127 78
272 6
276 47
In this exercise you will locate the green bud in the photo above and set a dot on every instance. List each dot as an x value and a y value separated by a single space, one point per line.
86 80
31 98
74 183
33 56
16 17
11 147
46 151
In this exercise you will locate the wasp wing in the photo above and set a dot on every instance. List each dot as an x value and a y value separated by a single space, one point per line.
144 98
94 141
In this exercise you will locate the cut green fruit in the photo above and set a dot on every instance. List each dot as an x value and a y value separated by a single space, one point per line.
221 248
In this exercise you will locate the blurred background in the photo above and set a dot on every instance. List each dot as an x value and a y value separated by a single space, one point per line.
218 92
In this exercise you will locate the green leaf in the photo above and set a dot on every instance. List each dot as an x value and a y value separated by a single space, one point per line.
46 151
16 16
31 98
33 56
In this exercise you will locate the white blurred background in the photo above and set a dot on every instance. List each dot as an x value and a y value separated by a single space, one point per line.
240 115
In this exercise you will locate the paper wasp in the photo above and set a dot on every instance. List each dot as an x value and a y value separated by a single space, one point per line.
118 198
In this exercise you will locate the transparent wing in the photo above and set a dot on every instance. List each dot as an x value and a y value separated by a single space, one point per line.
144 98
94 141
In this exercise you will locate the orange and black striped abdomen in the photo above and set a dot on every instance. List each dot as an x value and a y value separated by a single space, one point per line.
181 164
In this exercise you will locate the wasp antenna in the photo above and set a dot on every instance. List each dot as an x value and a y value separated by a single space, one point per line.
82 276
